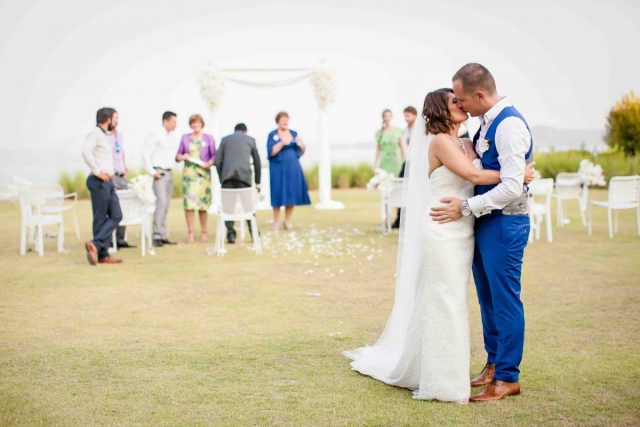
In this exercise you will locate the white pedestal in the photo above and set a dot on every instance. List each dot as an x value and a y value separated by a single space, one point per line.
329 204
324 168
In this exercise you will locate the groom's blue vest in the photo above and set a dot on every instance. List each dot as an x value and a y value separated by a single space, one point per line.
490 157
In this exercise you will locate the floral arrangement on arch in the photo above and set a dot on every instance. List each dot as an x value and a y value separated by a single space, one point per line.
382 180
591 174
212 87
324 85
142 186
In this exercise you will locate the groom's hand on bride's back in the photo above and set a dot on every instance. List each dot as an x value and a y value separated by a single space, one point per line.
450 210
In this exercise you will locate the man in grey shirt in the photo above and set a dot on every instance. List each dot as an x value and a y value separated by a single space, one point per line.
98 154
233 162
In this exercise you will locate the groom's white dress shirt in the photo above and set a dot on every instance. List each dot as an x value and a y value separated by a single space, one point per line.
512 142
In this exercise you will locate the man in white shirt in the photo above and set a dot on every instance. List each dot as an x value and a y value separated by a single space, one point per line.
504 144
159 156
410 114
98 154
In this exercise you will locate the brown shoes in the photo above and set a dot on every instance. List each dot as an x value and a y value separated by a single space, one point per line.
484 377
110 260
497 390
92 253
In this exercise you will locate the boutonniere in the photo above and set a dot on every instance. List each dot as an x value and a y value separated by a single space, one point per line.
276 138
204 143
483 145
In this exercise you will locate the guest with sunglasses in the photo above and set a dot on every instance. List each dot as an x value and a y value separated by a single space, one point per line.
120 177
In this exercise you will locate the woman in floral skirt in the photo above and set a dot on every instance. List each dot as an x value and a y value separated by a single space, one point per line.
198 151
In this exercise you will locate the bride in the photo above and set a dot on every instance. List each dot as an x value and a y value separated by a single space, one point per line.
425 344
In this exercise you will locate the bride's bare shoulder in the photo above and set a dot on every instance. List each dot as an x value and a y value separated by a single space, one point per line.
439 139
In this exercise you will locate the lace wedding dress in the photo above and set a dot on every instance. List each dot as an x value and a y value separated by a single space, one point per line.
426 348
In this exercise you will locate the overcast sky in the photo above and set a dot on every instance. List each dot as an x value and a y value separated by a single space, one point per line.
563 63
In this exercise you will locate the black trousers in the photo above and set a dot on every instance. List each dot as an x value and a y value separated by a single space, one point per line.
121 184
106 213
400 175
234 183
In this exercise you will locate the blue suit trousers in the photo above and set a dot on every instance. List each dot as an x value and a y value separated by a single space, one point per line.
497 268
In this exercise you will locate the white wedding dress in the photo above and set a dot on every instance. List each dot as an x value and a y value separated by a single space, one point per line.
425 345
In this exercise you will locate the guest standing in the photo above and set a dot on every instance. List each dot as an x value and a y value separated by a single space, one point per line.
98 154
233 162
198 151
288 186
159 161
410 115
120 177
389 146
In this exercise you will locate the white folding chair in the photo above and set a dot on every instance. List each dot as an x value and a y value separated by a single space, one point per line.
237 204
33 218
624 193
540 191
264 198
55 204
569 186
392 200
135 212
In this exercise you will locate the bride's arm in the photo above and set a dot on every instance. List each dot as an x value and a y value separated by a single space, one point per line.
445 150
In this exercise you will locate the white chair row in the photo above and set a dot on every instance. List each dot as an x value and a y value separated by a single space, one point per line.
42 206
624 193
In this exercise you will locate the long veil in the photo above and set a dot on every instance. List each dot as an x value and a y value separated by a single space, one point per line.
380 360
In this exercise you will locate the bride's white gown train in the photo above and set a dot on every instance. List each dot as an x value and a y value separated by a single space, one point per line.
433 358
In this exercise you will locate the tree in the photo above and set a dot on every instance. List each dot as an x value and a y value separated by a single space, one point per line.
623 125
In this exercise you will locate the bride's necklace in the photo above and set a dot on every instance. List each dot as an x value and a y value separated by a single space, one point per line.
460 143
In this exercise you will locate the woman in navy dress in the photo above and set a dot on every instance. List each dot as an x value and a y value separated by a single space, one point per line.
288 186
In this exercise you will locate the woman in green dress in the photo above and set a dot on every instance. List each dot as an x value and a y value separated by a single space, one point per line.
198 151
389 146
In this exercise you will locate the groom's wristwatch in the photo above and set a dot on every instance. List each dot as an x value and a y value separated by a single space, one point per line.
465 208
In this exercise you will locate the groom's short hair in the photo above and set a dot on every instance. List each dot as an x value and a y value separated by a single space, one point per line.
475 77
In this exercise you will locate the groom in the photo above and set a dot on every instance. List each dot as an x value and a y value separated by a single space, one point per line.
504 144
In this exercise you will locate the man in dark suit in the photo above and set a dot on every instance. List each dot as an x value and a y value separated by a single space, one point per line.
233 162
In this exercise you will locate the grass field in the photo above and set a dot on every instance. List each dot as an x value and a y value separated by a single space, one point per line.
181 338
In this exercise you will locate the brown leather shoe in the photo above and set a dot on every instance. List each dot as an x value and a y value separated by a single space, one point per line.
497 390
484 377
110 260
92 252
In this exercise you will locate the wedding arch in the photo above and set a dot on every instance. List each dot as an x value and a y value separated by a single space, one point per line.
212 83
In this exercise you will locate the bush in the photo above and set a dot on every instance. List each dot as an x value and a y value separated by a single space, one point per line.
342 176
311 175
623 125
74 183
613 163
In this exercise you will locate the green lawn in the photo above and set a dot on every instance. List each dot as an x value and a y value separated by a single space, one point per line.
186 339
